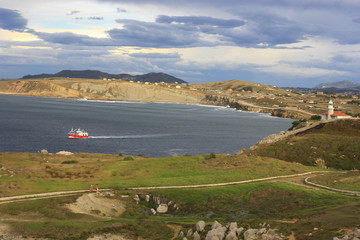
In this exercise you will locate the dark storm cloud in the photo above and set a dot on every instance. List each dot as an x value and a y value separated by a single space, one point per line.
12 20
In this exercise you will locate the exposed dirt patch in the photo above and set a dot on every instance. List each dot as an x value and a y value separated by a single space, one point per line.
107 237
292 236
97 204
176 229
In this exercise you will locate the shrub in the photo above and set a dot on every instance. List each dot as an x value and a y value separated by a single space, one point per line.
210 156
315 117
69 162
298 124
128 158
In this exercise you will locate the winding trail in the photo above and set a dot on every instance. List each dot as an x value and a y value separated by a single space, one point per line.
44 195
267 179
229 183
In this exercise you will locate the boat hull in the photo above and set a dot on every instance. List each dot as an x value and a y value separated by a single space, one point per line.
76 136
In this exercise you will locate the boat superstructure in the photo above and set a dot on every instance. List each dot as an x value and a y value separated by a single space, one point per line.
78 133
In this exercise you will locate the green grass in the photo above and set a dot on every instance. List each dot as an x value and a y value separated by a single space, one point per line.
341 180
56 222
337 143
256 200
33 175
248 204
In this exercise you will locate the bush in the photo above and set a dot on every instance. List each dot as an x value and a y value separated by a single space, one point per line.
128 158
69 162
298 124
210 156
315 117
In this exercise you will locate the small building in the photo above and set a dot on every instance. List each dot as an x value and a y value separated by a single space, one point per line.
331 114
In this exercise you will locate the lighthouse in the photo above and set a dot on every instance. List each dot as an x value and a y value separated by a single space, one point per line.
330 109
331 114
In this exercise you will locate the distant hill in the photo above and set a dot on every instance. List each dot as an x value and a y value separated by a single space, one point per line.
92 74
240 85
346 86
340 84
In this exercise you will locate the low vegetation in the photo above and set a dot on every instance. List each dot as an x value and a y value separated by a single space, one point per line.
35 173
342 180
334 145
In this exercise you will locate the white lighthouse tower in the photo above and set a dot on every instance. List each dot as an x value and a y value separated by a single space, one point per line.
330 109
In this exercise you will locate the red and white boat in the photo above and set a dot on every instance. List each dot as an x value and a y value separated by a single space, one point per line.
78 133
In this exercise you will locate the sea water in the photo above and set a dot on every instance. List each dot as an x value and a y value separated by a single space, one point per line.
30 124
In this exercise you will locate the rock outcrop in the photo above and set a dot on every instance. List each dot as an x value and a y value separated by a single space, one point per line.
350 236
230 232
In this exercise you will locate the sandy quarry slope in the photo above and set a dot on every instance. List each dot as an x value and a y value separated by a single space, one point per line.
97 204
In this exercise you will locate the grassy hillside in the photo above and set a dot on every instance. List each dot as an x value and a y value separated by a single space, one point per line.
287 207
335 144
24 173
240 85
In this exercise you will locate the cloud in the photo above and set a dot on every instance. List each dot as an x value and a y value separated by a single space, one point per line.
266 29
69 38
95 18
356 20
73 12
121 10
12 20
200 20
148 34
301 71
156 55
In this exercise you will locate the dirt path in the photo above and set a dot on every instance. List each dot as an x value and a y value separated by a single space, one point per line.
293 178
44 195
232 183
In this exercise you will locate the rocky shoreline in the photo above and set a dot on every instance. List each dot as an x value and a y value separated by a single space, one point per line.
219 100
130 91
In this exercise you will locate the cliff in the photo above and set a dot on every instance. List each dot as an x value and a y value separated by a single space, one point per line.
100 89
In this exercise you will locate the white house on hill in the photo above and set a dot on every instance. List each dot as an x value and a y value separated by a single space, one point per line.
331 114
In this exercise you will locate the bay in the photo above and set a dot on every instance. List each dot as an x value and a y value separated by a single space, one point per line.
29 124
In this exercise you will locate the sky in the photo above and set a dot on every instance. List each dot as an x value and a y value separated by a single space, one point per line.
293 43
